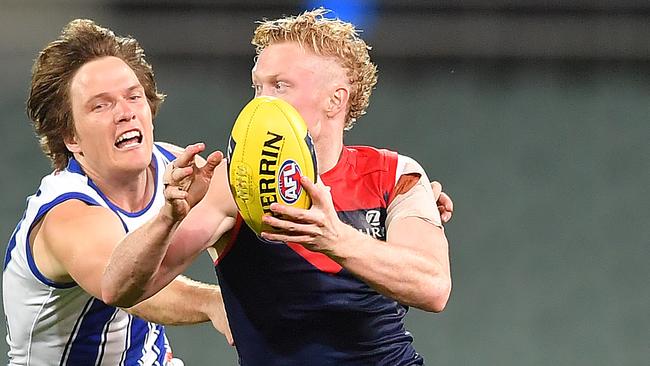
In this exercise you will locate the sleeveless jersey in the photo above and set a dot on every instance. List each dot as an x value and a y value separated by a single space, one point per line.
289 306
50 323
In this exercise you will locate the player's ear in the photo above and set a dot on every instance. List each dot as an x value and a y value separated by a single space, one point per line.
338 102
72 144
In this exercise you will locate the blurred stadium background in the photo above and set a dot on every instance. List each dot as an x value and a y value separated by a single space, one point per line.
534 114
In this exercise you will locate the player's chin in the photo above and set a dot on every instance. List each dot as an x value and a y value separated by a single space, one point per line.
134 162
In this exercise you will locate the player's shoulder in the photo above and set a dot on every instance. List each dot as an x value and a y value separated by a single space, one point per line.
371 152
76 217
61 186
370 159
390 165
408 165
74 222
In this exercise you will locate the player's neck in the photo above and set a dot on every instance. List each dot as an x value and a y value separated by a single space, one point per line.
328 152
130 192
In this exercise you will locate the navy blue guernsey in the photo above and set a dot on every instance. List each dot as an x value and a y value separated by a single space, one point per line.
289 306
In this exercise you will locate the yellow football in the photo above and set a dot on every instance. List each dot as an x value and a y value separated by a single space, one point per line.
268 151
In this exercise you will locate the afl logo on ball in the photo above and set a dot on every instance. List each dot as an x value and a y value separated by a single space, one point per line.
289 182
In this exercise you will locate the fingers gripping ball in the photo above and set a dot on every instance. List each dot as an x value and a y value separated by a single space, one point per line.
269 150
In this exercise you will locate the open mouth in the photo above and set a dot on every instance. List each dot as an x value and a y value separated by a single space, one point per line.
129 139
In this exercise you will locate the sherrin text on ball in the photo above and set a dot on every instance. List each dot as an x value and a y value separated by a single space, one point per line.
268 151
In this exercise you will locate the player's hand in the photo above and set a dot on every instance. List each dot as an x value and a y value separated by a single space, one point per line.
184 175
199 181
443 201
219 319
318 229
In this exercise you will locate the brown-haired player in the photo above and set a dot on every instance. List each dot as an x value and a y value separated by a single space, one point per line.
92 101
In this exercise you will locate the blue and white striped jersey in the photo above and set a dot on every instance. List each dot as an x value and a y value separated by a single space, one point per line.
50 323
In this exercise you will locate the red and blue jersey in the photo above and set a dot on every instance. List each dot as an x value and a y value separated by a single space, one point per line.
290 306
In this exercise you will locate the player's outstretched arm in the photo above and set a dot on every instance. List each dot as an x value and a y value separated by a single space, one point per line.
204 225
137 256
139 270
74 242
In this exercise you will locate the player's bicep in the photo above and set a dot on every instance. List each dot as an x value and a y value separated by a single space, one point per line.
82 238
428 242
426 238
413 219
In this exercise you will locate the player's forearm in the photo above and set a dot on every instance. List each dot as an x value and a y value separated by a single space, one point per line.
182 302
400 271
127 277
151 257
204 224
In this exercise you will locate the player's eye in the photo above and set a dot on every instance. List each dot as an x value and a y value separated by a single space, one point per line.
280 86
98 107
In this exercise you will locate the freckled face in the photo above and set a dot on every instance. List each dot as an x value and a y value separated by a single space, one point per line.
294 74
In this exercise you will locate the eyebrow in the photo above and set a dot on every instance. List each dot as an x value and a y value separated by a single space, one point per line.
103 94
269 76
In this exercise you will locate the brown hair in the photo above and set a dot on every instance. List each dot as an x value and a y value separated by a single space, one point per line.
327 37
49 106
